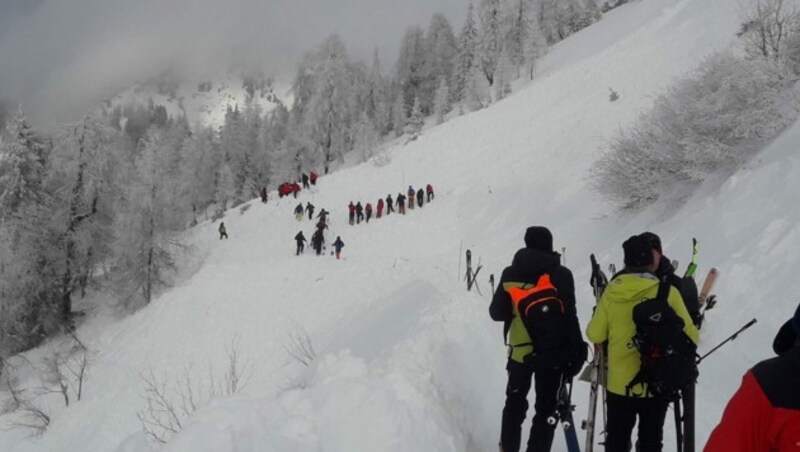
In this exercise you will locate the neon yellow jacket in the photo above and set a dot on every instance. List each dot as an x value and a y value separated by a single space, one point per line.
613 323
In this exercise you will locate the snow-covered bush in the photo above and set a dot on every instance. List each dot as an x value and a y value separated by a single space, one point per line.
715 118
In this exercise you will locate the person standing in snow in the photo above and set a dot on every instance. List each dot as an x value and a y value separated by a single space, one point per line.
420 197
411 192
429 190
530 265
359 212
223 234
368 209
301 240
380 208
401 204
389 204
298 212
338 245
313 178
304 178
295 189
310 209
764 414
264 195
351 211
612 322
317 240
686 286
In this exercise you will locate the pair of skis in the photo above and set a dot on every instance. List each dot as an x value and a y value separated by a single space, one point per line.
595 372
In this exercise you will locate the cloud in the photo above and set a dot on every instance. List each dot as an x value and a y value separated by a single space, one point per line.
61 57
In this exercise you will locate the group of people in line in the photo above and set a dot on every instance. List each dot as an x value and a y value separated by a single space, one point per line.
318 238
356 212
293 188
763 415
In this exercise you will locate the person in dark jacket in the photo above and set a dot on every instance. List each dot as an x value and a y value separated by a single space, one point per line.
338 245
223 233
264 195
764 414
304 178
301 240
359 212
389 204
401 203
368 210
298 212
317 240
686 286
429 190
420 197
529 264
310 209
351 212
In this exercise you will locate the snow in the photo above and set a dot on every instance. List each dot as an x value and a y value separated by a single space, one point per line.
406 358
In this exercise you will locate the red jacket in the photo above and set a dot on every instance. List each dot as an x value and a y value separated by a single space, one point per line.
764 414
313 177
369 207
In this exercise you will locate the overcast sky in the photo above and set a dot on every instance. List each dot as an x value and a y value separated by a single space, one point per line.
61 57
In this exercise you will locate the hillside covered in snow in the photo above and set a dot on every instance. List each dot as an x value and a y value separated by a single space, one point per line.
404 358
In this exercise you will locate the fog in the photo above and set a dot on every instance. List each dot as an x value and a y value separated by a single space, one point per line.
59 58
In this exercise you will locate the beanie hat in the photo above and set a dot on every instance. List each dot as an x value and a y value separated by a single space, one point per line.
787 335
539 238
638 252
655 241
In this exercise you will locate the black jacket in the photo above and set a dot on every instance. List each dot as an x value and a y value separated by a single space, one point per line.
300 238
526 268
686 286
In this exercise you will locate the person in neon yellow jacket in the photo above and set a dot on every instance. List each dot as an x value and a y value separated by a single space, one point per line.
613 323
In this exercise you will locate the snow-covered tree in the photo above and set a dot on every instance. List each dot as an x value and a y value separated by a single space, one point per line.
415 121
768 25
442 51
412 67
491 37
366 137
399 116
442 102
467 56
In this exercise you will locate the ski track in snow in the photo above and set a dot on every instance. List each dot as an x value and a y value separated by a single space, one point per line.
407 360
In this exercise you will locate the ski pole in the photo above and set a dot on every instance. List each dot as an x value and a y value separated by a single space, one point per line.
730 338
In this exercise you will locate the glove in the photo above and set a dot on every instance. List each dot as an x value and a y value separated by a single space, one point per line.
576 360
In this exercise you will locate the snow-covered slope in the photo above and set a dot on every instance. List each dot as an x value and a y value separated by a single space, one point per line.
407 359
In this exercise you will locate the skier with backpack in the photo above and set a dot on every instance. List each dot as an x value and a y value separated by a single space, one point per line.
535 300
644 320
686 286
764 414
338 245
301 240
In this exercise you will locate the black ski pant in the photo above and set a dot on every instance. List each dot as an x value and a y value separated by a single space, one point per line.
622 414
389 209
519 384
300 248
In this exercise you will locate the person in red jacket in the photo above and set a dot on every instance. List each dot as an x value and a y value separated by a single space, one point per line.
313 178
379 212
429 191
295 189
764 414
368 209
351 213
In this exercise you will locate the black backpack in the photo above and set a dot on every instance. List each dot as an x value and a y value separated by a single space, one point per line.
668 355
542 312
